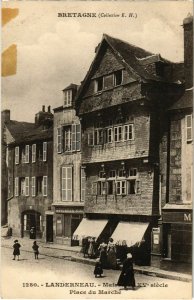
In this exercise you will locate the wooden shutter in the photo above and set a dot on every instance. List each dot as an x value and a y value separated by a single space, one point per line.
33 186
34 153
44 185
63 184
83 184
27 186
73 127
78 137
16 155
69 183
27 148
66 184
16 186
44 151
59 139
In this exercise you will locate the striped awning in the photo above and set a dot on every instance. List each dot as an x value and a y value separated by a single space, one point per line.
92 228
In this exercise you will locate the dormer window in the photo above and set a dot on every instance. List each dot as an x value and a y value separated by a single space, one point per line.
67 98
99 84
118 77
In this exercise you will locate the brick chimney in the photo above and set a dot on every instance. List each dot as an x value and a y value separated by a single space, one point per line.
44 117
5 116
188 50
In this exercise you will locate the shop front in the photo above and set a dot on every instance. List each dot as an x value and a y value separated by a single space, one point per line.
177 238
31 224
66 221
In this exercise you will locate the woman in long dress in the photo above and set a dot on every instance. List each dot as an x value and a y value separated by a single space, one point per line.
111 255
91 249
103 256
126 277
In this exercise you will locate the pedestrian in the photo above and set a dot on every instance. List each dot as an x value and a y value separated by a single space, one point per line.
35 249
111 255
85 246
91 249
103 255
126 277
16 251
98 268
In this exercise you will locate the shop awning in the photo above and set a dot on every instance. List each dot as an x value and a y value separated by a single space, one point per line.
92 228
131 232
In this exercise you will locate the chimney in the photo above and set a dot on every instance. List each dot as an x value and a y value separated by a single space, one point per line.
188 50
49 109
5 116
43 108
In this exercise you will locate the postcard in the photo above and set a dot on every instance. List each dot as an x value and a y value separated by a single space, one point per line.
96 155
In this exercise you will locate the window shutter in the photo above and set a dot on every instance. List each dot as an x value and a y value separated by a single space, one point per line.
16 155
63 184
69 183
59 139
74 136
138 187
90 138
44 151
33 186
83 184
27 186
78 137
16 186
189 127
44 185
66 184
27 147
33 153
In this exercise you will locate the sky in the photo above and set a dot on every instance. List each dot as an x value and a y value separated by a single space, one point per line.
53 52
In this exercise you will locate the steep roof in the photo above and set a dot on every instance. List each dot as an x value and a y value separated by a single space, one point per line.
186 101
134 59
72 86
28 132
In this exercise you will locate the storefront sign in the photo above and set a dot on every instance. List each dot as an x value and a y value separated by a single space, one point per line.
177 217
69 210
187 217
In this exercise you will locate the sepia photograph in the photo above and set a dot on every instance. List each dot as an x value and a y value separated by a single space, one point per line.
96 149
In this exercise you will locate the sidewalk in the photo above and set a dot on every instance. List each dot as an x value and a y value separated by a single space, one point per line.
73 254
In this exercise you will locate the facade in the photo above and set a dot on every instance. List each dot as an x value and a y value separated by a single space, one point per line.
30 176
176 167
121 104
68 176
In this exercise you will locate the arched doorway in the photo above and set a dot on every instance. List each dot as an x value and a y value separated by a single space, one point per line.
31 224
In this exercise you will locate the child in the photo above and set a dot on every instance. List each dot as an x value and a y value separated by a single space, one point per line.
16 251
98 268
35 248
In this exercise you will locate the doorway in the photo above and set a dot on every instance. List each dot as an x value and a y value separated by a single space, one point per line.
49 228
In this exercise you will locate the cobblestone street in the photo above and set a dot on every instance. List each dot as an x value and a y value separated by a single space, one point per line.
50 277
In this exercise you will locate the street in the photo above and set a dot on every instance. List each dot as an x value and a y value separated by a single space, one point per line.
54 278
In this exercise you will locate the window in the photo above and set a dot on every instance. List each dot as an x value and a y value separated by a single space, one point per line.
59 225
83 184
44 185
23 155
66 184
34 153
101 188
112 174
16 186
102 175
110 187
22 186
131 186
33 186
40 151
189 128
68 98
39 185
121 173
109 137
132 172
44 151
90 139
67 138
27 157
16 155
128 132
76 137
121 187
59 139
118 133
99 84
118 77
27 186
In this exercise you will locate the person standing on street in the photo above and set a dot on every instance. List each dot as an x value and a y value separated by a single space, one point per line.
35 249
16 251
126 277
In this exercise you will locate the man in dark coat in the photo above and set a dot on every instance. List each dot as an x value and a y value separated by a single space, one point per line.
16 251
126 277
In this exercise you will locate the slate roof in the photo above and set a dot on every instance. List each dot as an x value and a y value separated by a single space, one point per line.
23 132
186 101
71 86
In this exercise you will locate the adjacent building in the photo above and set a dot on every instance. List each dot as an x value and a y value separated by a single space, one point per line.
68 174
121 103
30 176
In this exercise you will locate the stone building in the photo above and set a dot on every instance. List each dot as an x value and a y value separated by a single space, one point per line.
175 251
68 175
30 176
120 104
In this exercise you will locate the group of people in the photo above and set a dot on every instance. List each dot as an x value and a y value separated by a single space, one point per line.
17 246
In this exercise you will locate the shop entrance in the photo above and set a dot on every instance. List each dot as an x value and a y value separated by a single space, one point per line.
31 224
49 228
